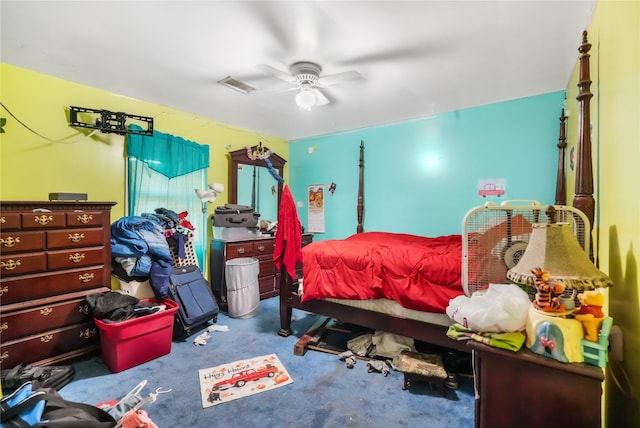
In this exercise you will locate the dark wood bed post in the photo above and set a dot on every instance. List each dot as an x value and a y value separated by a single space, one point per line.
561 193
360 228
583 199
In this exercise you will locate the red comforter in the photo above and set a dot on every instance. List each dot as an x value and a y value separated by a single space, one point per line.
418 272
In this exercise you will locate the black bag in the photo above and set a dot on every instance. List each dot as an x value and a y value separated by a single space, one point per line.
233 215
196 304
23 408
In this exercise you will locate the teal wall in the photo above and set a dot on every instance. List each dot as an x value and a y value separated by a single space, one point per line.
422 176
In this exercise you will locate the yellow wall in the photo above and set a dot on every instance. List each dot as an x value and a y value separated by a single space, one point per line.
64 159
614 32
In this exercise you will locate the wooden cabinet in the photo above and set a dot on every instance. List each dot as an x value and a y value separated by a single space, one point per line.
52 254
523 389
259 248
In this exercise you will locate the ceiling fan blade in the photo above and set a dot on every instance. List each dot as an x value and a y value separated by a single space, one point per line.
266 68
418 52
271 19
321 99
338 78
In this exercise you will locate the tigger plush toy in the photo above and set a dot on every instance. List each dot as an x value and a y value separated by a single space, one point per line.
546 298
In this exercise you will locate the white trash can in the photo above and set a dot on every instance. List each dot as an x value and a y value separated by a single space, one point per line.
243 293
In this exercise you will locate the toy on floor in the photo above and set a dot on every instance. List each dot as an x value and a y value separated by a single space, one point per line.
546 298
348 357
378 366
590 313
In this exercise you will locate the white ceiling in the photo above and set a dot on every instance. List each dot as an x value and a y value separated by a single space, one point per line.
418 57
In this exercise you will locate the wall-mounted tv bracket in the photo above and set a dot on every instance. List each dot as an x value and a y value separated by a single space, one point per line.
107 121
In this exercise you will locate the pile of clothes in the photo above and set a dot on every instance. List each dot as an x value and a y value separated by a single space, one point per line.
140 247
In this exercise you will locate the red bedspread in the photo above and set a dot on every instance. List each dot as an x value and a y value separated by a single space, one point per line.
418 272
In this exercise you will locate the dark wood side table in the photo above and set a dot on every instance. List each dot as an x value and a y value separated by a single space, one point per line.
523 389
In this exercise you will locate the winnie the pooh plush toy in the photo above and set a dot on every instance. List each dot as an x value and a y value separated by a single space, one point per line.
590 313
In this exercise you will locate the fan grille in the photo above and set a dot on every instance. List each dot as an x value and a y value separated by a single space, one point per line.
495 237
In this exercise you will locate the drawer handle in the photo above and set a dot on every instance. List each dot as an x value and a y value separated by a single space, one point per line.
88 333
83 309
43 220
3 290
85 218
261 248
85 277
4 356
76 237
3 220
10 241
4 326
10 264
47 338
240 250
46 311
76 258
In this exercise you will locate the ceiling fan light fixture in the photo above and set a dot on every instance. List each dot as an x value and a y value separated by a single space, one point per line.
305 99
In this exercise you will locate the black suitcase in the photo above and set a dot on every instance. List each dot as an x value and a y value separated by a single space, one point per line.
196 304
233 215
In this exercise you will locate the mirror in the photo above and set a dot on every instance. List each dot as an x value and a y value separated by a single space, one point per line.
252 184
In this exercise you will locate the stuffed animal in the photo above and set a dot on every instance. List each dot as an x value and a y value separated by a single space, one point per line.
546 298
590 313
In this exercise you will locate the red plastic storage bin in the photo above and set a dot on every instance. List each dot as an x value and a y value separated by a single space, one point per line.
126 344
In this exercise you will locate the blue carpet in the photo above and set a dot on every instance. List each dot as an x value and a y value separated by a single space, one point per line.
325 393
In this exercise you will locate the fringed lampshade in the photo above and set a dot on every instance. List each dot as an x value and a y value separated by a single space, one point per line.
554 248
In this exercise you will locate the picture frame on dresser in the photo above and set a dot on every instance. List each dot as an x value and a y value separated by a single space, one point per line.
52 255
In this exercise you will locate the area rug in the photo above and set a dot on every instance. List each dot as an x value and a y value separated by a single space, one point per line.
241 378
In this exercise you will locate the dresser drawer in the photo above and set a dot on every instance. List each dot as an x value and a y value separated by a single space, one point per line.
73 238
263 248
14 242
85 218
267 267
10 220
13 290
41 220
267 287
240 249
58 341
39 319
21 264
66 259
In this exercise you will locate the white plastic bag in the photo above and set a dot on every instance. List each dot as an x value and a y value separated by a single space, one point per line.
500 308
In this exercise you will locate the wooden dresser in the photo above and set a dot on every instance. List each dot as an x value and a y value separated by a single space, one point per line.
260 248
52 254
523 389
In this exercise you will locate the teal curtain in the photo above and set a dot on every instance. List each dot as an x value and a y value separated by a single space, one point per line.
163 172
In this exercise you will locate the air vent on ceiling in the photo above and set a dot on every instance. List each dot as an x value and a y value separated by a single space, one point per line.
232 83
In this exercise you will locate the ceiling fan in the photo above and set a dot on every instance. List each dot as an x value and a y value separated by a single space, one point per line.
305 77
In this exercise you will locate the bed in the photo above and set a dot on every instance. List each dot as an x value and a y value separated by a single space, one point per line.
396 302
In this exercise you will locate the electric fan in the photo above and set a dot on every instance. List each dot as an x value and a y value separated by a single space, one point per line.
494 238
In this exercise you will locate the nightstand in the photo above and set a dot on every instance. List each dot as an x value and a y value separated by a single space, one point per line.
523 389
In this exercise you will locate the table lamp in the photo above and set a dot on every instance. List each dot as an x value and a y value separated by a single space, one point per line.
553 248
